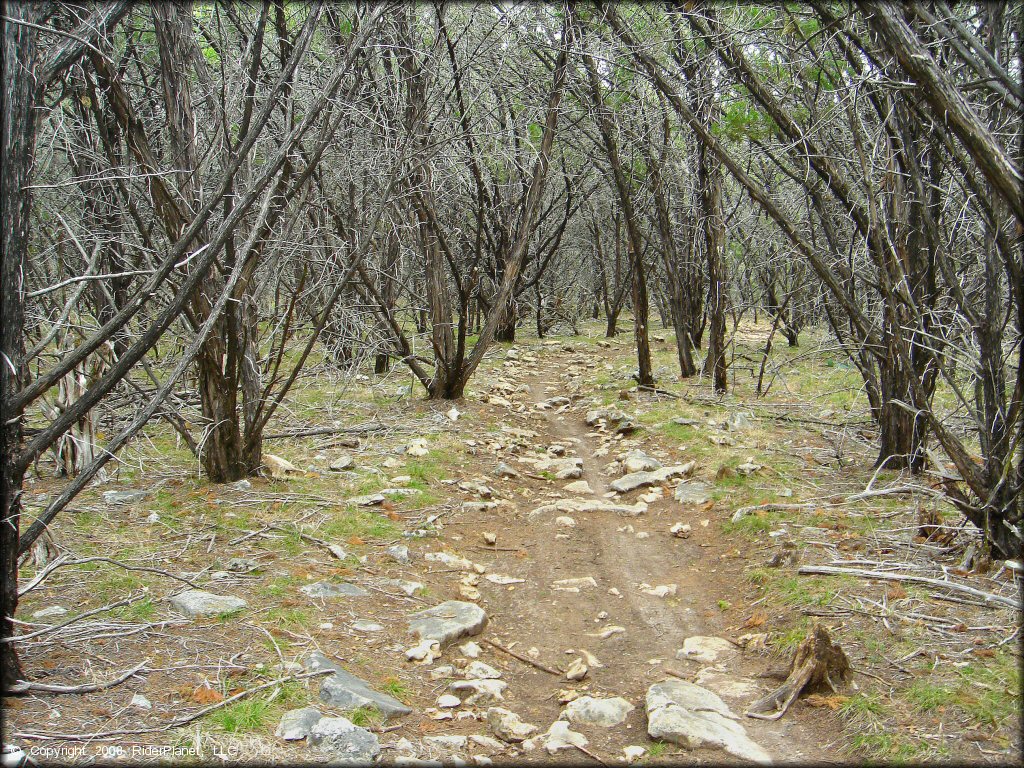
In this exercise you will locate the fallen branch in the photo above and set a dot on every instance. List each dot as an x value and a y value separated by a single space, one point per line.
524 659
79 617
658 391
39 577
23 686
987 597
147 568
174 723
362 429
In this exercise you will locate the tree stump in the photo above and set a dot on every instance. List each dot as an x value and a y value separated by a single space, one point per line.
818 664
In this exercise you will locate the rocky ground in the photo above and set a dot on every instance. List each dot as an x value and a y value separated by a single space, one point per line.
558 569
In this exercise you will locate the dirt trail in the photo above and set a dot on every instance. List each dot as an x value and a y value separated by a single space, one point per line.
534 615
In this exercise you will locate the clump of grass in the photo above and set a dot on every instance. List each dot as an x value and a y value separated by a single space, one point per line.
365 716
242 716
396 688
656 749
926 695
289 617
863 707
144 610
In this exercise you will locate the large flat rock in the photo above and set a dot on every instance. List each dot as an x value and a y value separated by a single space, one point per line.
448 622
326 590
693 492
344 690
196 603
589 505
635 480
690 716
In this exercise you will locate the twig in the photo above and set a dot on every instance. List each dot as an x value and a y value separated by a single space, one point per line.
988 597
21 686
524 659
38 579
872 675
160 571
590 754
79 617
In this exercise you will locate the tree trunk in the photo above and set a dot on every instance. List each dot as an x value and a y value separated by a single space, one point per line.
711 202
641 313
17 148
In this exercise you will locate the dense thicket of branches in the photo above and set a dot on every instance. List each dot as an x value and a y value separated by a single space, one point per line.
195 200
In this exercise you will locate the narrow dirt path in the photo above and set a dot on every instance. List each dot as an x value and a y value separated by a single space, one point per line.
620 554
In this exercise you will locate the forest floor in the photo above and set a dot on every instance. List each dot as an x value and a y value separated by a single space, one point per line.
936 672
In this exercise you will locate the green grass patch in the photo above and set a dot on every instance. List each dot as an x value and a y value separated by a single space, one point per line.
355 521
397 689
242 716
365 716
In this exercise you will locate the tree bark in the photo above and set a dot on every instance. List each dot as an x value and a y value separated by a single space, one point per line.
17 148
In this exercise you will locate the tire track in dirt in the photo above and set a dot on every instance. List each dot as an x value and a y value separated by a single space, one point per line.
534 615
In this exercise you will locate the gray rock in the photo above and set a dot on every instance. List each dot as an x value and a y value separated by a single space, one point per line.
587 710
693 492
140 702
727 686
242 565
341 463
579 486
685 422
447 743
367 626
558 736
448 621
240 485
298 723
507 725
46 613
327 590
346 691
370 500
564 469
197 603
345 741
124 497
409 587
686 714
474 692
636 480
706 649
638 461
389 492
607 415
478 670
738 421
399 553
